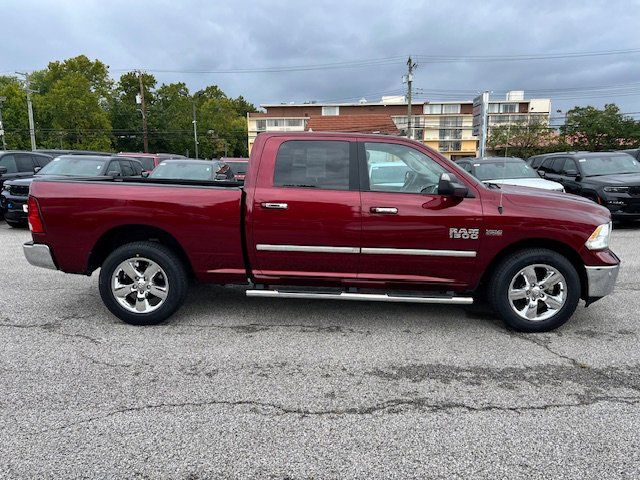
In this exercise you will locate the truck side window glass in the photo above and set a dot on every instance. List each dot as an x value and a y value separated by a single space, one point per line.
398 168
312 164
9 162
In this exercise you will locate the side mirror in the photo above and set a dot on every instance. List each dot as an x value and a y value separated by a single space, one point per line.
572 173
3 170
36 169
145 174
450 188
542 173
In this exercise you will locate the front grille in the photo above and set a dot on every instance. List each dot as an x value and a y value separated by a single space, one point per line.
635 191
19 190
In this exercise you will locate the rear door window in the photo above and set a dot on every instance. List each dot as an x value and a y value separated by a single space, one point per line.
24 162
127 169
314 164
114 168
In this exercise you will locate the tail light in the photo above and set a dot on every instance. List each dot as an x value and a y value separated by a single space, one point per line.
36 225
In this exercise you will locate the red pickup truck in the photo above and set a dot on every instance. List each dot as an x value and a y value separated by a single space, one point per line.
312 220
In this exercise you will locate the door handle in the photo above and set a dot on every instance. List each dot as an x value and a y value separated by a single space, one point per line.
274 206
384 210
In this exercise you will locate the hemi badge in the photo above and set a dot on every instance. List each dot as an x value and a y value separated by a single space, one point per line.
493 233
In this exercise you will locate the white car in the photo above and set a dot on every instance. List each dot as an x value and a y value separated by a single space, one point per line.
507 170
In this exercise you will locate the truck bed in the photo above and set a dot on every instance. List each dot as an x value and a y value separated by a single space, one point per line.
203 218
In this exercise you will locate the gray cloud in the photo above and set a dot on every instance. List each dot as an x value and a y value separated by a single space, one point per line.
205 35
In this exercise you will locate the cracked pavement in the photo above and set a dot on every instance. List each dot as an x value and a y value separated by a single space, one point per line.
236 387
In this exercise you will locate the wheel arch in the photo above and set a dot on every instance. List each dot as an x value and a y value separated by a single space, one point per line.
123 234
562 248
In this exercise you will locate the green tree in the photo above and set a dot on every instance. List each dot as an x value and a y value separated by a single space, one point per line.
522 139
125 113
14 113
589 128
171 119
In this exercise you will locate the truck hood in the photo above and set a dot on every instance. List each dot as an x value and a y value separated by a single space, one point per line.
530 182
616 179
537 199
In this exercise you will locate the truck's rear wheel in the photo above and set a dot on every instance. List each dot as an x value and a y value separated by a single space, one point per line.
535 290
143 283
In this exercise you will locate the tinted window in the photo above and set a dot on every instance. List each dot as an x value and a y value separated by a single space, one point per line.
137 168
127 170
313 164
73 165
114 168
558 164
9 162
535 163
24 162
41 160
547 165
148 163
409 170
569 166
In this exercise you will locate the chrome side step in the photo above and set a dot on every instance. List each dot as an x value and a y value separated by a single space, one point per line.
362 297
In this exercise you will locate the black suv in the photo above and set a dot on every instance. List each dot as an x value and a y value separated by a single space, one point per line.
611 179
15 193
16 164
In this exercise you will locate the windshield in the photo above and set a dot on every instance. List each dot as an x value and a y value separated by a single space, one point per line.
500 170
608 165
75 166
184 171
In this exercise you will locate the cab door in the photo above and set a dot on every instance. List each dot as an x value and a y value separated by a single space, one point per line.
305 219
410 233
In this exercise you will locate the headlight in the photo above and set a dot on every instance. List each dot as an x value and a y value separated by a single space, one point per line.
616 189
599 239
6 188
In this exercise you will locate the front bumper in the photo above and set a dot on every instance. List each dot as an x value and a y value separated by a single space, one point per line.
39 255
13 207
601 280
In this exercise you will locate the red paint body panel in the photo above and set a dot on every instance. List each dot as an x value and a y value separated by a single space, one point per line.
208 223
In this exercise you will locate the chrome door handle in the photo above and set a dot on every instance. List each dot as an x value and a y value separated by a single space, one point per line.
384 210
274 206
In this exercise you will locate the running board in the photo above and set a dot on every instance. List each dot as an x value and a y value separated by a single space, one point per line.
363 297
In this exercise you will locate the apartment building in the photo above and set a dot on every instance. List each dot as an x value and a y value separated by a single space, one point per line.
444 126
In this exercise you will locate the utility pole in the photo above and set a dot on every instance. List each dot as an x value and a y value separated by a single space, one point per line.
195 127
32 131
144 115
410 67
4 142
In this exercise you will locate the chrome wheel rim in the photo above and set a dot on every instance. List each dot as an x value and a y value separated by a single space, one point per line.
139 285
537 292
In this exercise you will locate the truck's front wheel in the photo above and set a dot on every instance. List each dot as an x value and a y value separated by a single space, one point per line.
143 283
535 290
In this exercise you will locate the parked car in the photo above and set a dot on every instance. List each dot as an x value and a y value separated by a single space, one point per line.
507 170
611 179
16 164
239 166
15 193
150 160
310 223
205 170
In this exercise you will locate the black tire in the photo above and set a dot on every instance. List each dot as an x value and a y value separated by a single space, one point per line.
13 224
509 268
177 280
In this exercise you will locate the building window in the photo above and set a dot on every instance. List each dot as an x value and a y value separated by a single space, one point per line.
450 146
261 125
509 108
293 122
450 134
331 111
418 134
447 108
494 108
450 121
433 109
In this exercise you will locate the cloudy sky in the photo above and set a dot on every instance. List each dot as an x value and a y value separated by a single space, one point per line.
204 42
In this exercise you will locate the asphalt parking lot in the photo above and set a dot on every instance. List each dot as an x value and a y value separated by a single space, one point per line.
260 388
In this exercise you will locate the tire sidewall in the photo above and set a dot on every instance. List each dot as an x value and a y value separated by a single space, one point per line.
517 262
176 278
